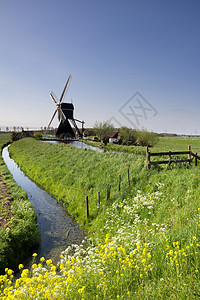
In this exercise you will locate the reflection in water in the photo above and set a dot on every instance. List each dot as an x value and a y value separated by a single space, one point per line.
58 230
77 144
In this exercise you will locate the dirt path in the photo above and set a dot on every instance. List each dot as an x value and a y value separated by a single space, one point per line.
5 203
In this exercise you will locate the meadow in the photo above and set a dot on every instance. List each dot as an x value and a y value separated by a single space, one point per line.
19 232
179 143
143 242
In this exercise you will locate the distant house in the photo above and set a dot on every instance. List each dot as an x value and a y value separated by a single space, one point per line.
114 137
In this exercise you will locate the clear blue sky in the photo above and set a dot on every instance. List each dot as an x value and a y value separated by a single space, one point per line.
113 49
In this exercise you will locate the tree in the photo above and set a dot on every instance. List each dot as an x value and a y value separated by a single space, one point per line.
86 133
103 130
128 135
146 138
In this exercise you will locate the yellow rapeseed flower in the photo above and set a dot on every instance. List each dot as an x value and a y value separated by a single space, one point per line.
148 255
53 268
42 259
81 290
20 266
10 272
34 266
48 262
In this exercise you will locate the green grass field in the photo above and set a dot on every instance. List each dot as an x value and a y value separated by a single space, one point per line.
177 143
143 242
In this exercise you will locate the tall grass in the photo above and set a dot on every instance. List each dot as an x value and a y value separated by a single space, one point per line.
143 242
20 235
70 174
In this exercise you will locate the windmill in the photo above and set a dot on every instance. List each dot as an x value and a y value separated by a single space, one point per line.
65 114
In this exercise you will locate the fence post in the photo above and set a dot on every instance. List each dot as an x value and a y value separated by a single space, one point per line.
189 155
148 157
196 159
108 191
98 199
87 207
119 183
169 157
128 178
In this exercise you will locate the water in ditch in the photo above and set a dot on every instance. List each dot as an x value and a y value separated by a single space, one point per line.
58 230
78 144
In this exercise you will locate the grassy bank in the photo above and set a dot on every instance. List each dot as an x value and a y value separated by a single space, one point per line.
144 239
18 231
139 150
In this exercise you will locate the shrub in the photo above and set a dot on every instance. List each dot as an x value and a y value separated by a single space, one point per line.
146 138
133 137
38 134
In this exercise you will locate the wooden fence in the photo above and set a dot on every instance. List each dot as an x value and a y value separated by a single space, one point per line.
107 193
189 153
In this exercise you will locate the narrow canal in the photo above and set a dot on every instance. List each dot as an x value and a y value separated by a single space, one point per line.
58 229
77 144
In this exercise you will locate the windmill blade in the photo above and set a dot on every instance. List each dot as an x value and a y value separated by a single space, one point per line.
76 127
52 119
53 98
63 117
68 80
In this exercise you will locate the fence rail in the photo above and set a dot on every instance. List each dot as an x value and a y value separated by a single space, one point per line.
189 159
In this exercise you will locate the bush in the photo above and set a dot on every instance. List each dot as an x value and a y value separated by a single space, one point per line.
128 136
133 137
38 135
15 136
146 138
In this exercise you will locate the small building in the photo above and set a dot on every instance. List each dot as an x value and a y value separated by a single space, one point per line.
95 139
114 137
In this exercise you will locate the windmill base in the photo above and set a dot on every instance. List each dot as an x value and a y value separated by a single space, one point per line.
65 129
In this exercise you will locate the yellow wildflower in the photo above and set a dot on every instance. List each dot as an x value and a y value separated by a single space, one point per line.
20 266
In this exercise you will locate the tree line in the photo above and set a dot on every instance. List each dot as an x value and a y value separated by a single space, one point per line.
126 136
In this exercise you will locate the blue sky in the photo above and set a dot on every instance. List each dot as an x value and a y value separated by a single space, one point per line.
134 62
